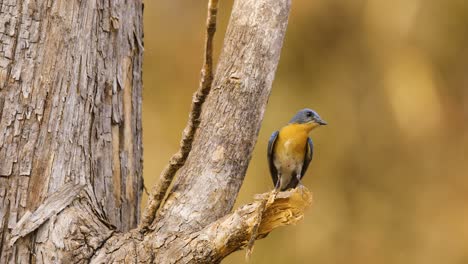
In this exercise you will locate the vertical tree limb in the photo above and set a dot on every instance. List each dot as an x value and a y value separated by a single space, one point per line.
83 125
70 112
207 185
159 190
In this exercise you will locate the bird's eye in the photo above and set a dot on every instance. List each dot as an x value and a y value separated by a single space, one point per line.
308 114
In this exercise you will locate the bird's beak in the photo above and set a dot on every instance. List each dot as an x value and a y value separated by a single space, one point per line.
321 122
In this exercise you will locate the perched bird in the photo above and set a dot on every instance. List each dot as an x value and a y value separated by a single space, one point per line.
290 149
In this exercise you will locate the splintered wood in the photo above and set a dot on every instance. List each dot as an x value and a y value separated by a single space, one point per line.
276 210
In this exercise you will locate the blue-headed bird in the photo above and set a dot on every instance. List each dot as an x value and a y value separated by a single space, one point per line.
290 149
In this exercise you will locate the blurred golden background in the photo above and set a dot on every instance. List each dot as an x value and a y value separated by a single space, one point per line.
389 174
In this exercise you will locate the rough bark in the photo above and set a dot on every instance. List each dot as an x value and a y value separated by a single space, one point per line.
212 243
210 180
70 138
70 112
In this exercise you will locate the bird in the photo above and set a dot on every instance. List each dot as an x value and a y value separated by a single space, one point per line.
290 149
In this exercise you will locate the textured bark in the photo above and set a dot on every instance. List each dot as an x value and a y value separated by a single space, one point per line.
212 243
70 138
208 184
70 112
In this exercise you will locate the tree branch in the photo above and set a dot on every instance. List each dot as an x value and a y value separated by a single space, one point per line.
195 224
233 232
207 185
215 241
178 160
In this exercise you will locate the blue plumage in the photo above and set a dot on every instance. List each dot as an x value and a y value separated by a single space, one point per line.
290 150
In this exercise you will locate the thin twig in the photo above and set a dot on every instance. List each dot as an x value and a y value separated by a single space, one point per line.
178 160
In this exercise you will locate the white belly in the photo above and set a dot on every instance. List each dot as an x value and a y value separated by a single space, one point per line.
288 165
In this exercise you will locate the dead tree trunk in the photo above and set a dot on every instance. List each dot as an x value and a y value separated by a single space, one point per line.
70 112
70 138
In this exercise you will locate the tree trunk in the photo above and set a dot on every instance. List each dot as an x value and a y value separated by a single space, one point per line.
70 111
70 138
231 117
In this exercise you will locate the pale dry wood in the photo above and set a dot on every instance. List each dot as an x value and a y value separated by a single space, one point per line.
74 235
209 182
215 241
178 160
70 91
51 206
232 232
70 112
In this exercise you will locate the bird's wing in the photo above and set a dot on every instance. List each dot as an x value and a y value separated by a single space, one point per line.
271 158
308 156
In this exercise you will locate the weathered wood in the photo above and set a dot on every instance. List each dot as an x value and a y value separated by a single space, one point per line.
207 186
70 97
212 243
70 105
52 206
72 236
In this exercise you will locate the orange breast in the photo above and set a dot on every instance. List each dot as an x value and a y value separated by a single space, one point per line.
291 142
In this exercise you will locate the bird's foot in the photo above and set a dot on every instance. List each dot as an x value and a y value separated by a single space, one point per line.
301 188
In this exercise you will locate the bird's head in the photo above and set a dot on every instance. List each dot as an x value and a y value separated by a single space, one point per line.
308 117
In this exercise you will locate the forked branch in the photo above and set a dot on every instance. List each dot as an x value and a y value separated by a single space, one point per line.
215 241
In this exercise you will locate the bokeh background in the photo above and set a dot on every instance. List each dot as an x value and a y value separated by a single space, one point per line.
389 175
